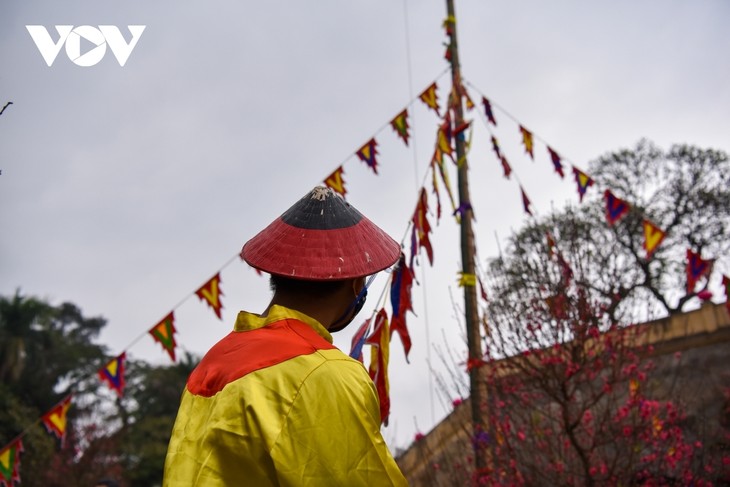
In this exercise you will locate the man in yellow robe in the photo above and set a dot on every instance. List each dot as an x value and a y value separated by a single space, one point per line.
274 403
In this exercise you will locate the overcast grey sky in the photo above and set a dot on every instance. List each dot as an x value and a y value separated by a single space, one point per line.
123 189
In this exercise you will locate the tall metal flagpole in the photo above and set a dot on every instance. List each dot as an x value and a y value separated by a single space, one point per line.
478 390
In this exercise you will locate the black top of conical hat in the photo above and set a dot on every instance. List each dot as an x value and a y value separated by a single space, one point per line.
321 209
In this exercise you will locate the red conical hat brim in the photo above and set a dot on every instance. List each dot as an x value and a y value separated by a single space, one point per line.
321 237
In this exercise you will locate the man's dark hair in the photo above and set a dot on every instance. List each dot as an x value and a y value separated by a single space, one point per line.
306 288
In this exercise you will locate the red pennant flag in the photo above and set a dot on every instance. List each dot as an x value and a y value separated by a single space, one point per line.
726 287
55 419
488 111
336 182
367 154
583 181
696 268
527 141
653 236
482 291
550 244
421 228
113 374
435 184
379 356
430 98
400 125
10 464
164 333
616 208
211 293
565 270
557 164
506 167
525 202
400 299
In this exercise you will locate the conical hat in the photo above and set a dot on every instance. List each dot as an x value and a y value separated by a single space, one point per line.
321 237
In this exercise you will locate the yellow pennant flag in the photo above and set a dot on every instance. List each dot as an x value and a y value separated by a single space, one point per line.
430 98
527 141
55 419
211 293
113 374
379 340
400 125
367 154
467 279
653 236
336 182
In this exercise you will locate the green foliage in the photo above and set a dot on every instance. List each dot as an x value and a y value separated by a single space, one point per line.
47 352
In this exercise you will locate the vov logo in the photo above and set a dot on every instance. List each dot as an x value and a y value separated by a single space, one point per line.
105 35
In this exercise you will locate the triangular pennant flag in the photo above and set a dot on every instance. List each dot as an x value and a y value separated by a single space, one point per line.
336 182
400 299
566 271
113 374
583 181
367 154
444 140
55 419
506 167
482 291
696 268
400 125
550 244
211 293
435 186
358 341
488 111
164 333
10 463
421 228
495 146
438 162
379 357
653 236
525 202
527 141
463 208
726 287
616 208
557 164
467 280
459 131
469 102
430 98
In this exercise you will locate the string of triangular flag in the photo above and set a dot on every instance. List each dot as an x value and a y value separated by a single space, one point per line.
403 275
368 152
615 207
164 332
112 374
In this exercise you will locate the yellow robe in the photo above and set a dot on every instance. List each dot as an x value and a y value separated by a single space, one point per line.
274 403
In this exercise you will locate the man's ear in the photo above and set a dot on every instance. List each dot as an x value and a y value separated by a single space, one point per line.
357 284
